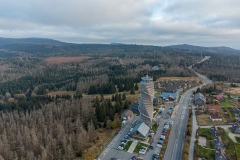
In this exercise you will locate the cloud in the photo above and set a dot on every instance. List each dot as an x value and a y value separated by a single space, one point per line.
157 22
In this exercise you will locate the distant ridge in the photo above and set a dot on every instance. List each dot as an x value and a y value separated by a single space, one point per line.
221 49
4 41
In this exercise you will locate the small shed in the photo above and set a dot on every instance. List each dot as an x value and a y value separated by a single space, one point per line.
128 114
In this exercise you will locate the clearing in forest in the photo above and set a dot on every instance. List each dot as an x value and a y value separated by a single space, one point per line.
59 60
178 78
234 91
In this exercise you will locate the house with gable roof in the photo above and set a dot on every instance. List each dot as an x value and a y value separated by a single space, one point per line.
140 131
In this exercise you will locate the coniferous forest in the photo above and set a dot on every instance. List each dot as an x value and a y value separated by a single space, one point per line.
55 111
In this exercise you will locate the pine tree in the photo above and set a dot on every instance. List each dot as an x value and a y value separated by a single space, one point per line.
132 91
136 87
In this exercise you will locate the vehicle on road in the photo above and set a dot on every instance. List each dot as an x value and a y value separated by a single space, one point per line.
134 158
155 156
127 136
162 136
125 141
159 145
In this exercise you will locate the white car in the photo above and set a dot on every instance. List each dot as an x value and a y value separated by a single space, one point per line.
166 126
120 147
159 145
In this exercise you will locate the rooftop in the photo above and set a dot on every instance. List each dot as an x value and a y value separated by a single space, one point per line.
141 128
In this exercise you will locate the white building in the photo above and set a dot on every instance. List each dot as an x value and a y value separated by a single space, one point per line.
146 100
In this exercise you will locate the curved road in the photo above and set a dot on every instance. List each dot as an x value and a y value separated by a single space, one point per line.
177 135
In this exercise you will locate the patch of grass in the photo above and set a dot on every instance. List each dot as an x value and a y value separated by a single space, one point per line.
238 150
205 132
157 110
203 119
238 140
230 145
126 147
205 153
226 103
154 126
139 145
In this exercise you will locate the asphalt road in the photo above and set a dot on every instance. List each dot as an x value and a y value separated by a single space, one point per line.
194 122
111 150
177 134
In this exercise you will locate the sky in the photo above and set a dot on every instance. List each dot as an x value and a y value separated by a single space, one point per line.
150 22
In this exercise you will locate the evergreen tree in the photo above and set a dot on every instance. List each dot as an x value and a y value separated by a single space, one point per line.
132 91
126 104
136 87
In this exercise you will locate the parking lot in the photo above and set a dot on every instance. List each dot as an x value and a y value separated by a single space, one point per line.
116 148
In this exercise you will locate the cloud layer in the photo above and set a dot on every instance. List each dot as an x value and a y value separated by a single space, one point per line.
156 22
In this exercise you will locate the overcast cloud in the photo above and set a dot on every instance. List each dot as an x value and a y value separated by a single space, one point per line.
155 22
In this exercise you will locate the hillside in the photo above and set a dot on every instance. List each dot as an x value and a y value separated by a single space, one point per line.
4 41
221 49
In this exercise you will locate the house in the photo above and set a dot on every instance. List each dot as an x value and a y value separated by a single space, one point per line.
220 98
214 131
171 98
140 131
236 127
165 95
199 99
134 106
236 110
156 101
173 87
128 114
215 117
212 108
218 143
220 155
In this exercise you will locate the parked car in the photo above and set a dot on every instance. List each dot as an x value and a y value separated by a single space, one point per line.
162 136
166 123
159 145
134 158
155 156
166 126
124 140
161 142
127 136
161 139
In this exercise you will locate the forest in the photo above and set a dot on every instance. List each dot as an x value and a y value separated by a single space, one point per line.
37 124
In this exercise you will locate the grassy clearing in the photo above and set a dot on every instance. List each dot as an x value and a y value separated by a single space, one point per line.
126 147
238 140
154 126
226 103
230 145
178 78
203 119
238 150
205 153
139 145
205 132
